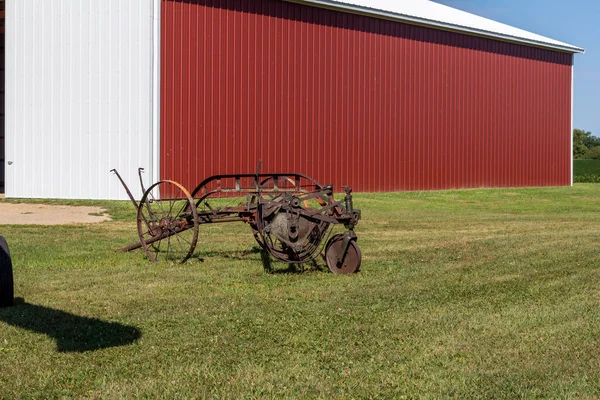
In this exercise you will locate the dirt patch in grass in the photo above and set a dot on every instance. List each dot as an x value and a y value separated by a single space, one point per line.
45 214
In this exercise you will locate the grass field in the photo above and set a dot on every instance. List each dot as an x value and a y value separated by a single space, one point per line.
586 171
462 294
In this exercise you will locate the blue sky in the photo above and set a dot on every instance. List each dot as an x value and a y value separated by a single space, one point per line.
575 22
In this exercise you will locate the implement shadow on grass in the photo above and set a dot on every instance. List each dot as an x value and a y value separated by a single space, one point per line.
73 333
289 269
236 255
268 261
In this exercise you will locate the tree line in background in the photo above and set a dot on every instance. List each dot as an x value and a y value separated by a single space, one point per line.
585 145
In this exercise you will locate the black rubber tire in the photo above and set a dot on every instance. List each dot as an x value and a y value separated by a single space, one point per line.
6 276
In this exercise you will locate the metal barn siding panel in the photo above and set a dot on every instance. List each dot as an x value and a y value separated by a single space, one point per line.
79 96
350 99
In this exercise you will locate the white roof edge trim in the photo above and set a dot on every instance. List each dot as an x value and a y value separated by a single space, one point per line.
357 6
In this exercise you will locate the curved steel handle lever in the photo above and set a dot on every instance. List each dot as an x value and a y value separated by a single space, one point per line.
140 170
126 188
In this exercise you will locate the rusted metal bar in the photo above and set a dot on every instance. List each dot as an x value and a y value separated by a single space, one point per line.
126 188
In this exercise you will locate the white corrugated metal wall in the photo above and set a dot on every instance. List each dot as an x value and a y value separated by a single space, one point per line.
79 96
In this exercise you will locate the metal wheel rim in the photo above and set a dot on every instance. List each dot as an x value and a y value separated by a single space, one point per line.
144 228
352 260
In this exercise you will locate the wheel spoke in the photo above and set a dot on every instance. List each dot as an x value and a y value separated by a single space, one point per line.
182 246
157 248
162 218
181 237
168 246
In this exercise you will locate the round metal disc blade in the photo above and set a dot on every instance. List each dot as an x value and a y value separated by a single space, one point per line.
350 262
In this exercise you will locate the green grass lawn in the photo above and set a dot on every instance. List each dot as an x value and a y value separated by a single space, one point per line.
586 171
462 294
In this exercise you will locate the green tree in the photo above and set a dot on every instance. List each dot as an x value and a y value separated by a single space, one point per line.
579 148
589 140
594 153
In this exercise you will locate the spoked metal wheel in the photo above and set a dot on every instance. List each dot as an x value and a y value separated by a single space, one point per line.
342 256
167 222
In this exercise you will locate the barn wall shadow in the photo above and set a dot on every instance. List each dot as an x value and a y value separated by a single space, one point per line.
345 20
73 333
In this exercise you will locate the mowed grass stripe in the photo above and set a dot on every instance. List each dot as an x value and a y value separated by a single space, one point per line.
465 294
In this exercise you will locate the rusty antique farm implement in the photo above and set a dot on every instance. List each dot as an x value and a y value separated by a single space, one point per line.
291 215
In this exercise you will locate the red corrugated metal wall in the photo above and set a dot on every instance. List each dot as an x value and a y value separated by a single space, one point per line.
350 99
